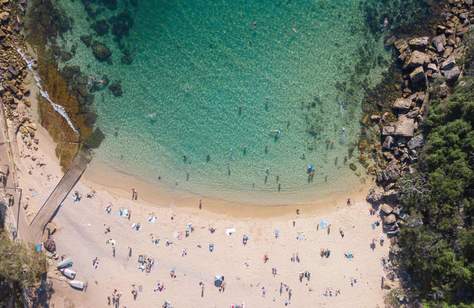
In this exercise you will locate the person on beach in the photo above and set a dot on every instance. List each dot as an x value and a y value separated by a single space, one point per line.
129 252
201 284
95 262
134 292
200 204
348 201
265 258
113 251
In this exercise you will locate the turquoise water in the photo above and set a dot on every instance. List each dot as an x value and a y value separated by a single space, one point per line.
212 82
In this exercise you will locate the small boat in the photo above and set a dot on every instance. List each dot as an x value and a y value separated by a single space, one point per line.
69 273
65 263
78 285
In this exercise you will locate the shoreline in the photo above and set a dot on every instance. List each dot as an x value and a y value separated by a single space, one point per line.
99 174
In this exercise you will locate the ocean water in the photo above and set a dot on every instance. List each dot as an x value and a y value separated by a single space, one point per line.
233 99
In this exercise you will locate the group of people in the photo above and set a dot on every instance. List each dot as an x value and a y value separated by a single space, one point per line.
146 263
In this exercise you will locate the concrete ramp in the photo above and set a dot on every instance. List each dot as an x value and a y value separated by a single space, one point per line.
52 205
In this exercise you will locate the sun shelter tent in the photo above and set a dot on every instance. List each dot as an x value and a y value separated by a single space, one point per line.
218 280
323 224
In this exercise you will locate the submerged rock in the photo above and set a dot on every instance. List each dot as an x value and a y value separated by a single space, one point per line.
121 24
101 27
86 39
101 51
116 88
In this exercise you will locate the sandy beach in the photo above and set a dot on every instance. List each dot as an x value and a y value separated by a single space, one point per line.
292 243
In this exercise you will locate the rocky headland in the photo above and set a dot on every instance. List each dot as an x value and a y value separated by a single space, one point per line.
429 67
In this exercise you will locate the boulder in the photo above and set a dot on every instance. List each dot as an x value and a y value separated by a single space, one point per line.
386 209
388 130
405 127
391 196
101 51
389 219
86 39
438 42
375 195
418 78
448 64
401 45
419 43
416 142
417 58
433 67
388 143
101 27
452 74
402 104
390 174
4 16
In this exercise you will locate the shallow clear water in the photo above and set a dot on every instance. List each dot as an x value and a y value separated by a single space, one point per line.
212 81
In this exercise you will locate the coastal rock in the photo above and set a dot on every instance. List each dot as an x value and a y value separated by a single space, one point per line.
419 43
417 58
416 142
452 74
101 51
418 78
405 127
439 42
402 104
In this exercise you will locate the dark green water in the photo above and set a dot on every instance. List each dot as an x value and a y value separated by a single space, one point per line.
212 82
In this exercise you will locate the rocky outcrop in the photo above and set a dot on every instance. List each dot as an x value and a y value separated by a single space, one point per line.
430 67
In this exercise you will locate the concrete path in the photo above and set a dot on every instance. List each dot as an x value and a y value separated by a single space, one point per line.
59 194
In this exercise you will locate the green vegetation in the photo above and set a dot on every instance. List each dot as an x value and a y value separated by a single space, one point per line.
20 267
437 243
